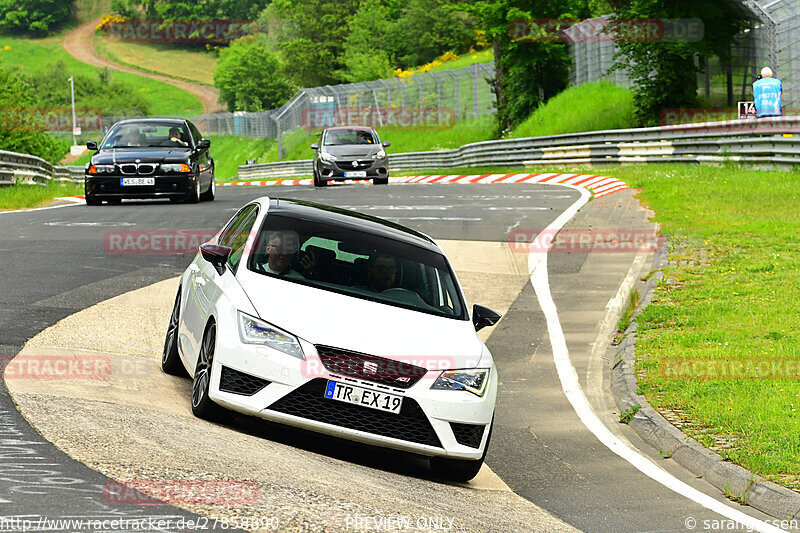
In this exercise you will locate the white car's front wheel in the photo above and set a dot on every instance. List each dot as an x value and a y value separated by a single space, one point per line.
202 405
170 359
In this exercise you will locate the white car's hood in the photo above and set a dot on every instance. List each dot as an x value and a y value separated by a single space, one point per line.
328 318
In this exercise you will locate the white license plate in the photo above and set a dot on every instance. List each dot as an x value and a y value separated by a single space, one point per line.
356 174
137 181
361 396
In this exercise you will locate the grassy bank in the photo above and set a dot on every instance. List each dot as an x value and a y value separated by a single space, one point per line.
39 55
588 107
169 60
24 196
718 348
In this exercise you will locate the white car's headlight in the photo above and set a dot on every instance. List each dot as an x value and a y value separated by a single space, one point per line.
473 380
380 155
327 156
255 331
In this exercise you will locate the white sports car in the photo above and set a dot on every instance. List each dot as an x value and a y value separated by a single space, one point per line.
340 323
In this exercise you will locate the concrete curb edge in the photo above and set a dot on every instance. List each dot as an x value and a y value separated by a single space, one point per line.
734 481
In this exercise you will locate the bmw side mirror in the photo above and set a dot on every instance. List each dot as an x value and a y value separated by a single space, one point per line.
217 255
387 144
483 316
91 145
315 146
203 144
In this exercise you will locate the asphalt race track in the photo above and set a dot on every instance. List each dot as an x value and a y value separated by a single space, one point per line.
55 263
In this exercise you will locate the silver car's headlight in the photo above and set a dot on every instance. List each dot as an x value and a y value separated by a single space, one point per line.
380 155
255 331
327 157
473 380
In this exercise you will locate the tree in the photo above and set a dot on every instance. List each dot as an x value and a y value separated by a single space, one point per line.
36 17
365 57
21 130
174 10
527 71
310 35
424 30
664 72
246 76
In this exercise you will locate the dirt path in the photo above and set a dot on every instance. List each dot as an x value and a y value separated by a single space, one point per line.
78 43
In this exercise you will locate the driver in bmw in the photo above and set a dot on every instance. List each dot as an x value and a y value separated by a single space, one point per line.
282 248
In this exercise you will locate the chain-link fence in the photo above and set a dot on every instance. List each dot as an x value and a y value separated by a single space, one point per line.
772 39
431 99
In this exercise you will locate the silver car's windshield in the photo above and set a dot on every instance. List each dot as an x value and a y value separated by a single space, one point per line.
348 137
356 263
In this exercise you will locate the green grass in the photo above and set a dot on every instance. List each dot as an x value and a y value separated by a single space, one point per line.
733 306
230 152
24 196
588 107
39 55
175 61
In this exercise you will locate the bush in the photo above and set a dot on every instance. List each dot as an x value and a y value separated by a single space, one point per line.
30 138
247 76
101 94
35 17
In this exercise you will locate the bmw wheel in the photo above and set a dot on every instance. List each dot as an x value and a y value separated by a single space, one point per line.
203 406
211 193
194 196
170 359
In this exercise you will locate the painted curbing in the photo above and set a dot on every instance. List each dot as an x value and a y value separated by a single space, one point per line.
731 479
598 185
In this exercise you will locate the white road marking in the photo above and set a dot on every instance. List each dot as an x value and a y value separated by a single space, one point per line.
537 267
73 204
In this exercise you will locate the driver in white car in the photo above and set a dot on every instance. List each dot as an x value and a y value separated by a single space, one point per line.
381 272
282 247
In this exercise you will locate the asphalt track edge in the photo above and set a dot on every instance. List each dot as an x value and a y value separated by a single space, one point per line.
670 442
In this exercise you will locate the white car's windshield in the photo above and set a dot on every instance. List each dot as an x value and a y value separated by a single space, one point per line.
356 263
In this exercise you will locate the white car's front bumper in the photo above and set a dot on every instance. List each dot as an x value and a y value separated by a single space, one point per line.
294 396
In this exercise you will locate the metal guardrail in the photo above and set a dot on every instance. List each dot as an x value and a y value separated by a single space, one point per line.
32 170
773 143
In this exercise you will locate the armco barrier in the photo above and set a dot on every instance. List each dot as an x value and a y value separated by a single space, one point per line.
32 170
768 143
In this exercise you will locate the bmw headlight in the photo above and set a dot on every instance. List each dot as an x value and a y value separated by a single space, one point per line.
101 169
327 157
473 380
255 331
380 155
176 167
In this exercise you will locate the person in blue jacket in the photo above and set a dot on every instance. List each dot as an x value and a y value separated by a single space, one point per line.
767 94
